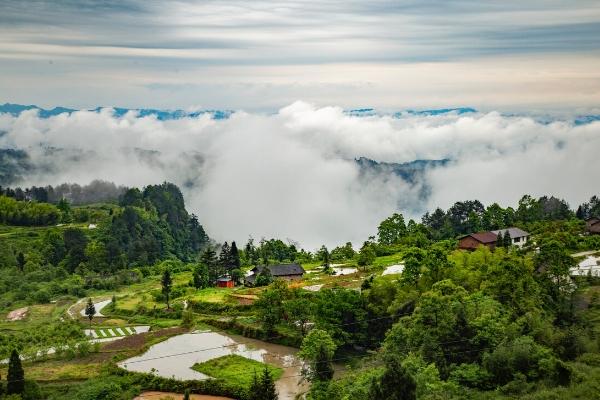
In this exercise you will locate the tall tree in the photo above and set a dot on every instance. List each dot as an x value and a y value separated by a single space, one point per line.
391 229
395 383
317 350
499 240
21 261
507 239
90 311
200 276
325 258
225 259
209 259
234 257
268 386
166 283
16 376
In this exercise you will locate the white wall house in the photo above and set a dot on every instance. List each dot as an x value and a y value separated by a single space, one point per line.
518 236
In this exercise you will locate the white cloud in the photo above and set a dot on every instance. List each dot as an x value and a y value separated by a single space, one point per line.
292 174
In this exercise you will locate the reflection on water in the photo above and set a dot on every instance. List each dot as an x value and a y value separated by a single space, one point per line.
174 358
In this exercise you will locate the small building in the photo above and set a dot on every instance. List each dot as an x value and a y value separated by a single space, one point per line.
518 236
473 240
288 272
592 225
225 282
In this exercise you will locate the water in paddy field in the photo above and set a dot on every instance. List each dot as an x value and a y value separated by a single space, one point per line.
174 358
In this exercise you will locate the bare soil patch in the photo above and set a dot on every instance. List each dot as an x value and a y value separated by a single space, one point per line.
18 314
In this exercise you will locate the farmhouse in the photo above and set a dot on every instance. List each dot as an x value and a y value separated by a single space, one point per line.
472 241
287 272
592 225
519 236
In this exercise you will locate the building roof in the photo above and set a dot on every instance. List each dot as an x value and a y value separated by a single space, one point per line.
483 237
281 269
224 279
514 232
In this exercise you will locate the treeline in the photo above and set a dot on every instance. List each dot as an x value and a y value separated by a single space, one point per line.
472 216
97 191
156 227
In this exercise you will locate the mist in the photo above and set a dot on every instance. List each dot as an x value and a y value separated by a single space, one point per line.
293 174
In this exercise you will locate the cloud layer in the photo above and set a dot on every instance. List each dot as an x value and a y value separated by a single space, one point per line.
292 174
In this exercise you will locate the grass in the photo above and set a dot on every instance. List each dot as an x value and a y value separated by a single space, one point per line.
212 295
236 370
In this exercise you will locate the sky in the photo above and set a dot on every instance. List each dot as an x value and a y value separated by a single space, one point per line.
264 55
284 164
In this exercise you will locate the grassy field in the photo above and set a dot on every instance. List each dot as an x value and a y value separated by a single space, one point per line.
236 369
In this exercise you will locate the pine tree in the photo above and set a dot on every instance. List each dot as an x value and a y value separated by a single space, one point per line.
235 257
209 259
268 386
186 394
90 311
166 283
224 259
500 240
16 376
507 239
255 390
21 260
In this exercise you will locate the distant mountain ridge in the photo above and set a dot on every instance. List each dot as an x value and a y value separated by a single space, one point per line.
163 115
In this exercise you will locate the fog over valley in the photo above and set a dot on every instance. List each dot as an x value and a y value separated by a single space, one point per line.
315 175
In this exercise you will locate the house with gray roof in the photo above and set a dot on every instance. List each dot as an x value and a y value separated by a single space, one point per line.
287 272
518 236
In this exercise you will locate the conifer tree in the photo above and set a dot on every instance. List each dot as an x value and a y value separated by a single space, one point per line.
499 240
209 259
235 257
186 394
255 390
21 260
90 311
268 386
507 239
16 376
166 283
224 259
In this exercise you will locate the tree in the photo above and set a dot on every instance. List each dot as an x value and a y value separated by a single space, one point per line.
268 385
186 394
166 283
234 257
395 383
500 240
299 312
264 277
317 350
209 259
200 276
324 256
237 276
507 239
90 311
270 305
225 261
21 261
255 390
391 229
16 376
366 255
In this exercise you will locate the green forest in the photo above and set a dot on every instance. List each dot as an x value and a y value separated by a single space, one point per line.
501 322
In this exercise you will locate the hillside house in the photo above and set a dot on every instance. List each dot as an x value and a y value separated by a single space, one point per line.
592 225
288 272
473 240
225 282
519 236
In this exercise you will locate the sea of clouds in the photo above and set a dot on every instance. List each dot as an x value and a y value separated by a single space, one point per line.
293 174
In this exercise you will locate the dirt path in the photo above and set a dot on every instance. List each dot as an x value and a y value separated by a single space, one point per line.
176 396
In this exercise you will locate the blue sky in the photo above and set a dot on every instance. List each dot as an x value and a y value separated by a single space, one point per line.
262 55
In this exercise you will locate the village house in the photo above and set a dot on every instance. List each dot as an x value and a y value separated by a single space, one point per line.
473 240
225 282
592 225
287 272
